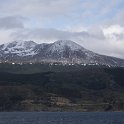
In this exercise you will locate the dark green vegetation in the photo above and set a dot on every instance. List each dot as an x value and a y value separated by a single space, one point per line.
61 88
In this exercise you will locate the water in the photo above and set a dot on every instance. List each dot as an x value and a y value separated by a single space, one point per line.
61 118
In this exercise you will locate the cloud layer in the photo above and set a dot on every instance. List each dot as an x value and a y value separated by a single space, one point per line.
97 25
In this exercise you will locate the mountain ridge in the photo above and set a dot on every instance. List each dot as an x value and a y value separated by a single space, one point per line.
61 51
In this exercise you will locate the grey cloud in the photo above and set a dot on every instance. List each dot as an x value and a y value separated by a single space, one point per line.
47 34
67 9
40 8
92 39
119 36
11 22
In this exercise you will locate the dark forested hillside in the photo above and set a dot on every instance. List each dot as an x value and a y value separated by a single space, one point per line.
61 88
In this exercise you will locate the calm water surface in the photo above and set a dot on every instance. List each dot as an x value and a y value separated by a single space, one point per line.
61 118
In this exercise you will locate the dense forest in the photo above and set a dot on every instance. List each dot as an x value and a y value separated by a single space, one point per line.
43 87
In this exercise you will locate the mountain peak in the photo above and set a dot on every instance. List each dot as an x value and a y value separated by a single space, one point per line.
65 51
66 43
19 44
20 48
63 44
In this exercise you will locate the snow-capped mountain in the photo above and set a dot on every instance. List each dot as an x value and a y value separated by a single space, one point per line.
62 51
20 48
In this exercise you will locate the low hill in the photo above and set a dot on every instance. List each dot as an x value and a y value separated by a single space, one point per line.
84 89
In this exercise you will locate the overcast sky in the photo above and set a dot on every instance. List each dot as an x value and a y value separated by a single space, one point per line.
97 25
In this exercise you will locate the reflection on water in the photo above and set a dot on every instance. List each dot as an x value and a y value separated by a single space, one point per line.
62 118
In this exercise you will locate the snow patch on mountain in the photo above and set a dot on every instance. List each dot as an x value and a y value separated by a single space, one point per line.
20 48
64 51
19 44
61 45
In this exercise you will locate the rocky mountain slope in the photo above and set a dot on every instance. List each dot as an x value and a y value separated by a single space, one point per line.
62 51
